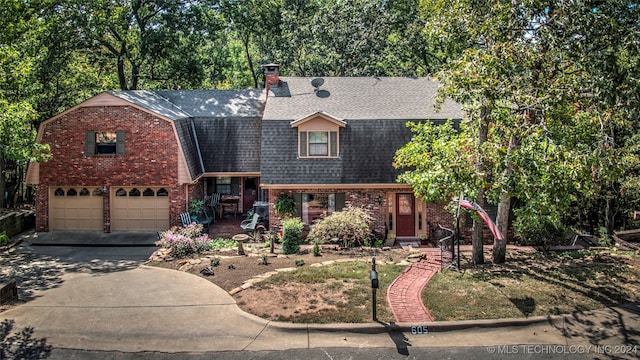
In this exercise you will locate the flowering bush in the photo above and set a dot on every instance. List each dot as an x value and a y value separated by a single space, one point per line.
184 241
349 226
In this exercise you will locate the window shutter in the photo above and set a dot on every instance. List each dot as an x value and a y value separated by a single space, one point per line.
339 201
120 143
303 143
333 143
90 143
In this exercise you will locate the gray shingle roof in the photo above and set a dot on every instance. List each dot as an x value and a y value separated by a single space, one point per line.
358 98
375 111
224 123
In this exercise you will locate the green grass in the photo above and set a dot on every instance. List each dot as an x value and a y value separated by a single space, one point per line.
350 277
534 285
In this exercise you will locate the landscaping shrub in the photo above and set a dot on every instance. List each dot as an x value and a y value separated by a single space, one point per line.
4 239
292 235
542 230
316 249
184 241
351 226
221 243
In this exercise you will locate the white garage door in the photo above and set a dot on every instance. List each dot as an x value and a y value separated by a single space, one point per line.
139 208
75 208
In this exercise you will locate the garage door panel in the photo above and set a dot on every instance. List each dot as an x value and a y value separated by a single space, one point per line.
140 208
75 208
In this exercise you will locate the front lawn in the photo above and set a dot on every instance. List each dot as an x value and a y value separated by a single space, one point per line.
533 284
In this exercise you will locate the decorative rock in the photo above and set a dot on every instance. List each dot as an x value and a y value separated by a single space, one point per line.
207 271
185 267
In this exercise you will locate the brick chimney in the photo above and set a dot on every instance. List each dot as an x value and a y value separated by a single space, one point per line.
271 75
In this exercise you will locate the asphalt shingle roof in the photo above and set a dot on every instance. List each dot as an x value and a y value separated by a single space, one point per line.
225 124
359 98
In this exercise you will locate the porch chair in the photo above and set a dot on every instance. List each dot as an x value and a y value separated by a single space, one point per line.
185 219
250 225
214 203
205 219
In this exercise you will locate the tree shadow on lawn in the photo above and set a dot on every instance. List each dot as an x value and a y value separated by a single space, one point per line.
608 280
600 277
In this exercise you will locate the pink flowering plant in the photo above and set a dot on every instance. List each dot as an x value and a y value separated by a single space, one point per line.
184 241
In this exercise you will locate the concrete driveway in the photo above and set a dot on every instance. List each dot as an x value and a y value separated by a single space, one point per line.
103 298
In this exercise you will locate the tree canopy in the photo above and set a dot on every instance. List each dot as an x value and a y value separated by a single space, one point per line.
550 89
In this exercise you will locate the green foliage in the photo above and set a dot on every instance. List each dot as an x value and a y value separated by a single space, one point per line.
285 205
4 239
373 243
196 206
292 235
351 226
215 261
221 243
299 262
540 230
316 249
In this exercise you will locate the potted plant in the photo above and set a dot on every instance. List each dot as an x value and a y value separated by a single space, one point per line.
196 207
285 205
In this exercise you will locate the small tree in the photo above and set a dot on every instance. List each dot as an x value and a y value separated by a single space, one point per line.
350 226
292 235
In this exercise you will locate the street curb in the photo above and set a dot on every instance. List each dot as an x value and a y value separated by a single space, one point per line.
432 326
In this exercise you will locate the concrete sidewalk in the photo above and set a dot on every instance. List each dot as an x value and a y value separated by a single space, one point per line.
154 309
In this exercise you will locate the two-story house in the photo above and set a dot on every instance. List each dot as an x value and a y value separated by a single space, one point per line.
132 160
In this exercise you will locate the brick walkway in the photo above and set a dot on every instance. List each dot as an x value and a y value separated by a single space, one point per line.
405 293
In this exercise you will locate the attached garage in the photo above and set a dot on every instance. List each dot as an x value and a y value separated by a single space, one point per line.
76 208
139 208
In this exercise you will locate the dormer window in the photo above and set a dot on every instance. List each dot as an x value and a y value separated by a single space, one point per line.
318 136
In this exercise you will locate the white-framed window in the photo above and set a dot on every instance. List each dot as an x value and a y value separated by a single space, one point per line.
318 143
318 135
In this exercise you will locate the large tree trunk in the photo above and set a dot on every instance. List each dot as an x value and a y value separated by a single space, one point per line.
504 208
502 221
3 182
477 250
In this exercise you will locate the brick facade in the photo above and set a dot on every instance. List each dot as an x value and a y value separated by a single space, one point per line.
377 201
150 158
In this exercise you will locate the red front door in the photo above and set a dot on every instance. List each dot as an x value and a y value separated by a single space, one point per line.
405 218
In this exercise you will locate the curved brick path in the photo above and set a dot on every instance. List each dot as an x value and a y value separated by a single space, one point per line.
405 293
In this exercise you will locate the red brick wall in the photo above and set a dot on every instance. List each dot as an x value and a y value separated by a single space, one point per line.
151 156
375 200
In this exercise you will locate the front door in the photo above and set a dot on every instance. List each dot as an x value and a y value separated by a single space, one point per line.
249 193
405 218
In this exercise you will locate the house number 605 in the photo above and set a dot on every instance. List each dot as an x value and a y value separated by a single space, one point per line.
418 330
